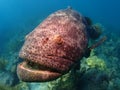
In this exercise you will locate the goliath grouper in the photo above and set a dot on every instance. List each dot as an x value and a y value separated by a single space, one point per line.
54 47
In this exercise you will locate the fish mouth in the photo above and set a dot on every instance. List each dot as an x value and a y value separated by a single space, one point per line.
33 72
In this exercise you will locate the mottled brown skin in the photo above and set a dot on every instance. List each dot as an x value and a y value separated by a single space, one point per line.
53 47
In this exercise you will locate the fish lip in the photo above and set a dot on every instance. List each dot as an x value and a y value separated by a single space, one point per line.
64 63
33 75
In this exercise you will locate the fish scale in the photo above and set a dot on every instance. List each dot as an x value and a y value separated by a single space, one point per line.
57 43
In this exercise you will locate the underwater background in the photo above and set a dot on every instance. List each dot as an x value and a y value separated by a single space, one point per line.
101 69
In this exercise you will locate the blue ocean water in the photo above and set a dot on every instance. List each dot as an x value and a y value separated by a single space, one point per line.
15 12
19 17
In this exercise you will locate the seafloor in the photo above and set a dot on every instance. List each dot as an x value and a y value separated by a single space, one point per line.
100 71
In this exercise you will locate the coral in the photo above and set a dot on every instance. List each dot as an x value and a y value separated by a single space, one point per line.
95 31
66 82
94 79
3 63
89 21
20 86
4 87
104 79
95 62
98 27
114 84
